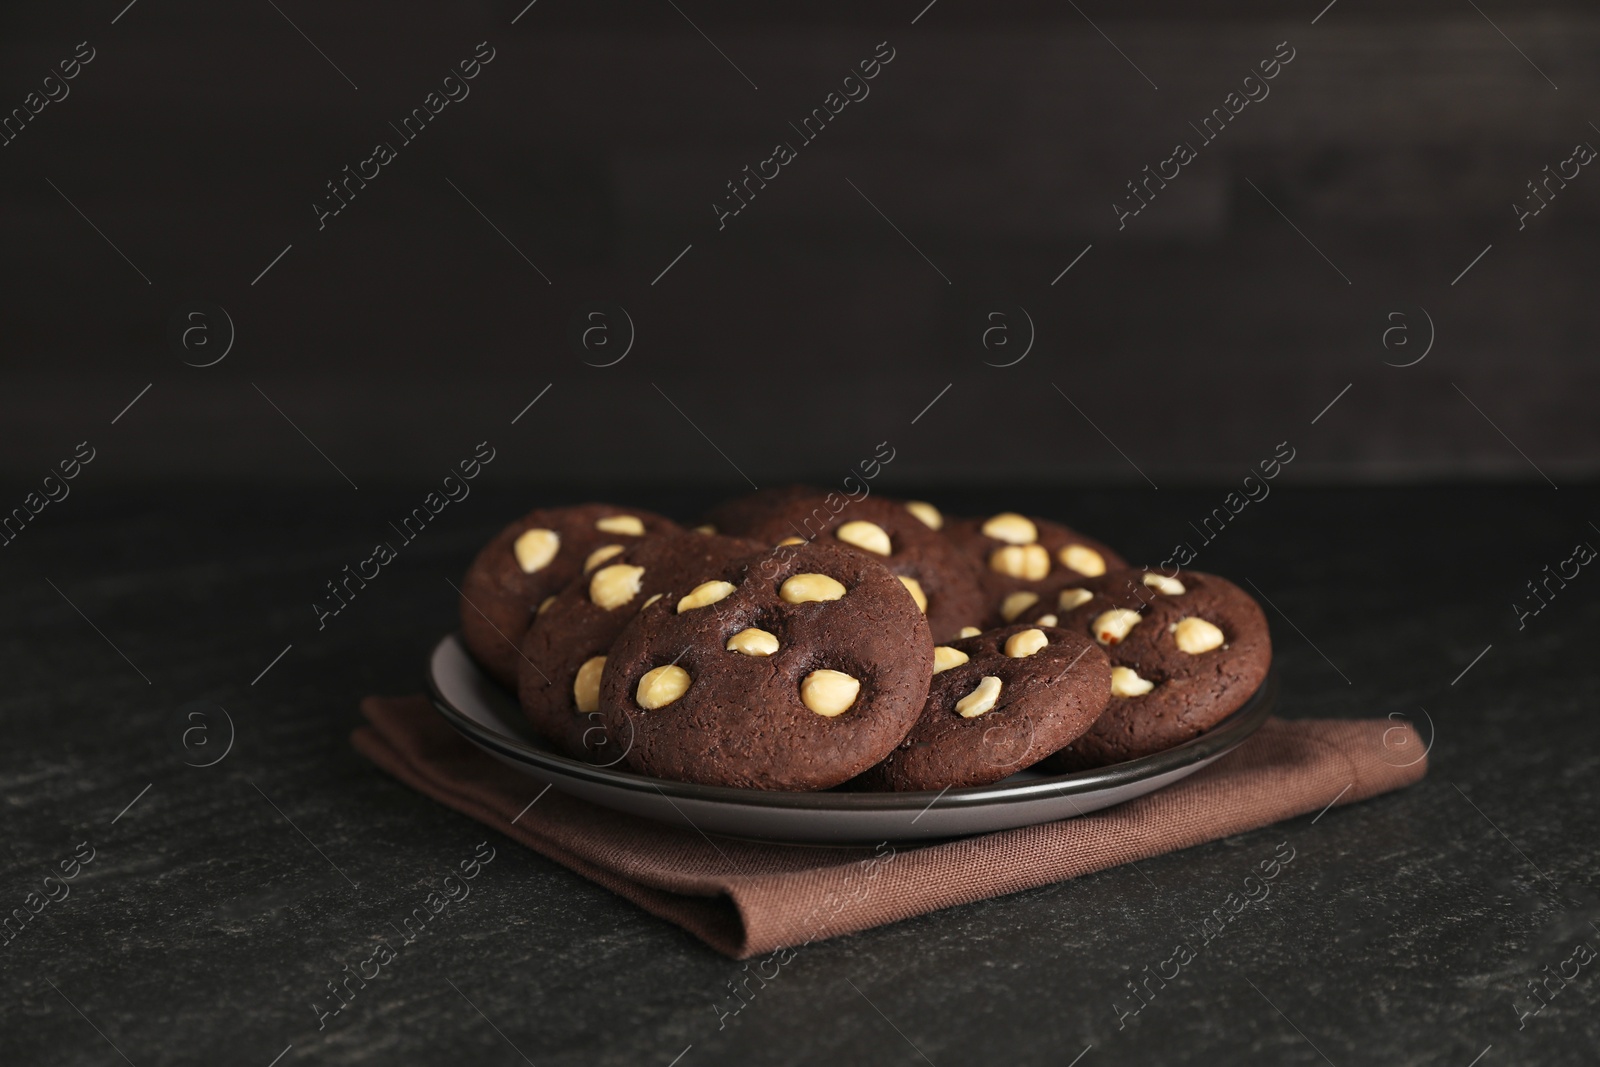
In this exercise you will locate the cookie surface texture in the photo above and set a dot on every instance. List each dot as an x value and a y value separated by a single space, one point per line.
809 671
531 559
561 698
894 532
1048 685
1019 554
1186 650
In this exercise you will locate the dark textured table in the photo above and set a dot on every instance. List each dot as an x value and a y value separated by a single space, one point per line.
221 900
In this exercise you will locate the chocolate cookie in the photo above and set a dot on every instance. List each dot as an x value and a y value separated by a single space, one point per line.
745 512
1186 651
800 668
1000 702
565 647
532 559
902 535
1018 556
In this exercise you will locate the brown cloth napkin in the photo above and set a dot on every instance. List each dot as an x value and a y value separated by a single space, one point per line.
745 899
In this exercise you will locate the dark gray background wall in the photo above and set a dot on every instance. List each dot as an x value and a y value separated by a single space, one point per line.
852 291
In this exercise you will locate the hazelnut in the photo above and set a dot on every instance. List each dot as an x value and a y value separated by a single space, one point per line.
829 693
613 586
1011 528
868 536
791 541
1195 636
599 556
969 631
586 686
535 549
706 529
662 686
980 699
1071 598
1084 560
1021 561
753 641
927 513
703 594
652 600
1026 643
1112 626
620 524
544 605
1016 603
1162 584
805 588
914 587
1127 683
1047 620
945 657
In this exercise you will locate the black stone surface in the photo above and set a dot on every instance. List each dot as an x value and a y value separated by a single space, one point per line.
222 899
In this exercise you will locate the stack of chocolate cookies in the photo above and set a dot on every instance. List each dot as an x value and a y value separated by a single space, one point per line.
803 640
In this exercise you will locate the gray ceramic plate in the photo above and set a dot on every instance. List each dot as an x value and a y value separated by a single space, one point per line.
488 716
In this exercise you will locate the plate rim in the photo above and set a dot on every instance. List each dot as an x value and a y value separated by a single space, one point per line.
1228 734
